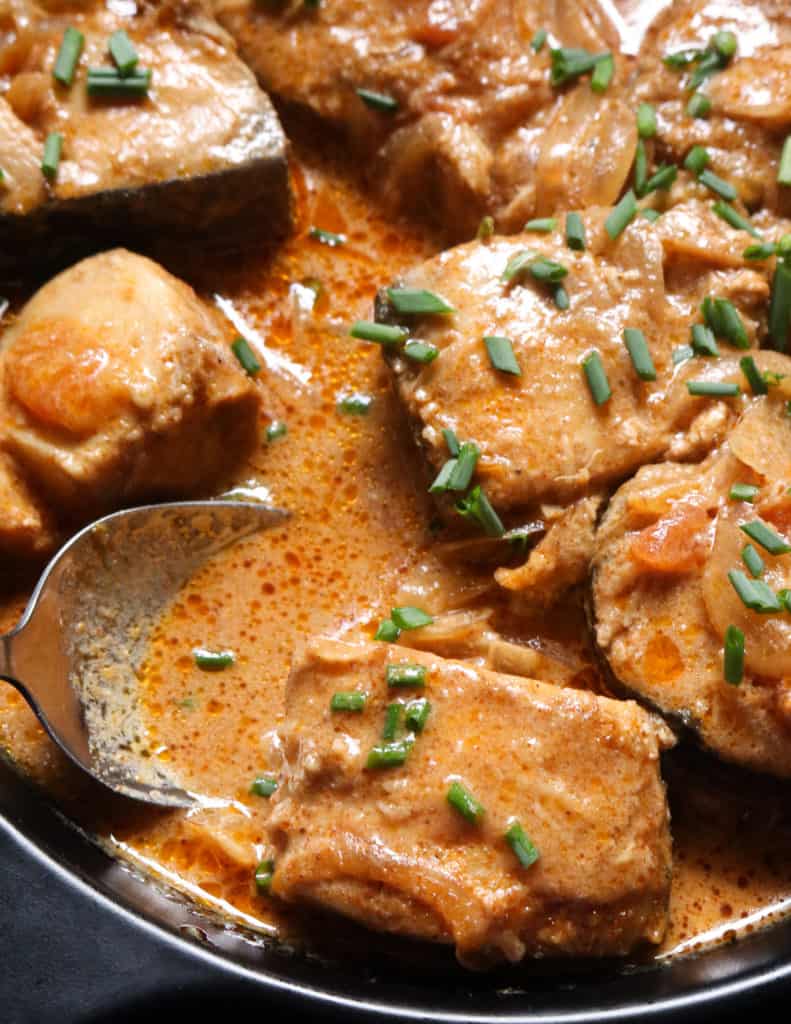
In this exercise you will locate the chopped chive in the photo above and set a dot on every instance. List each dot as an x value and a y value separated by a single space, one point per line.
731 325
698 105
743 492
381 334
768 538
697 159
602 74
621 215
123 52
53 147
355 404
640 168
213 661
752 560
264 785
561 297
462 800
109 82
662 179
420 351
780 307
464 467
733 656
522 845
330 238
718 185
682 59
755 594
538 40
646 121
703 341
639 353
725 43
681 354
649 214
760 251
543 225
263 875
758 385
712 316
409 617
568 63
387 631
348 700
378 100
276 430
575 232
389 755
68 56
476 506
547 271
734 218
451 441
709 62
784 170
440 483
485 228
418 301
417 712
405 674
712 388
501 355
784 597
597 378
392 721
241 349
517 264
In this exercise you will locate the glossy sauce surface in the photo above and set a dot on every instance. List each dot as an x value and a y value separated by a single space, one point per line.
361 539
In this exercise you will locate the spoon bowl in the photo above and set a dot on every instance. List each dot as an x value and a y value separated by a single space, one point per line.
77 653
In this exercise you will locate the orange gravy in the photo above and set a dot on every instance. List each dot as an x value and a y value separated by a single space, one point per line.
362 537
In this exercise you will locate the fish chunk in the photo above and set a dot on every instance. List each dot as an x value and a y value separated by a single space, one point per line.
202 155
662 597
471 123
579 773
117 384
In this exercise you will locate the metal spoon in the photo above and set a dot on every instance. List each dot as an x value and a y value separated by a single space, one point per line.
76 654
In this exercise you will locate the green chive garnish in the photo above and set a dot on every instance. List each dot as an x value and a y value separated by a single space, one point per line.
418 301
523 847
703 342
561 297
517 264
213 661
768 538
381 334
662 179
743 492
387 631
730 323
733 659
68 56
758 385
697 159
263 875
329 238
621 215
640 168
712 388
639 353
356 404
264 785
568 63
752 560
538 40
417 712
378 100
646 121
123 52
476 506
392 721
755 594
734 218
485 228
451 441
441 481
276 430
405 674
649 214
780 307
725 43
597 378
348 700
681 354
241 349
110 82
464 466
575 232
547 271
462 800
698 105
543 225
784 170
682 59
409 617
501 355
389 755
602 74
420 351
53 146
715 184
760 251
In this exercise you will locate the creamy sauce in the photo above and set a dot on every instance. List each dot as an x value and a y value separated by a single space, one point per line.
362 537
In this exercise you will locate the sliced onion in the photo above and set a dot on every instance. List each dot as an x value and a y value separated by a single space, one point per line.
756 88
762 439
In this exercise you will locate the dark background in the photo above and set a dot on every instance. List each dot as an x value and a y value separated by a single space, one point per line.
67 959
